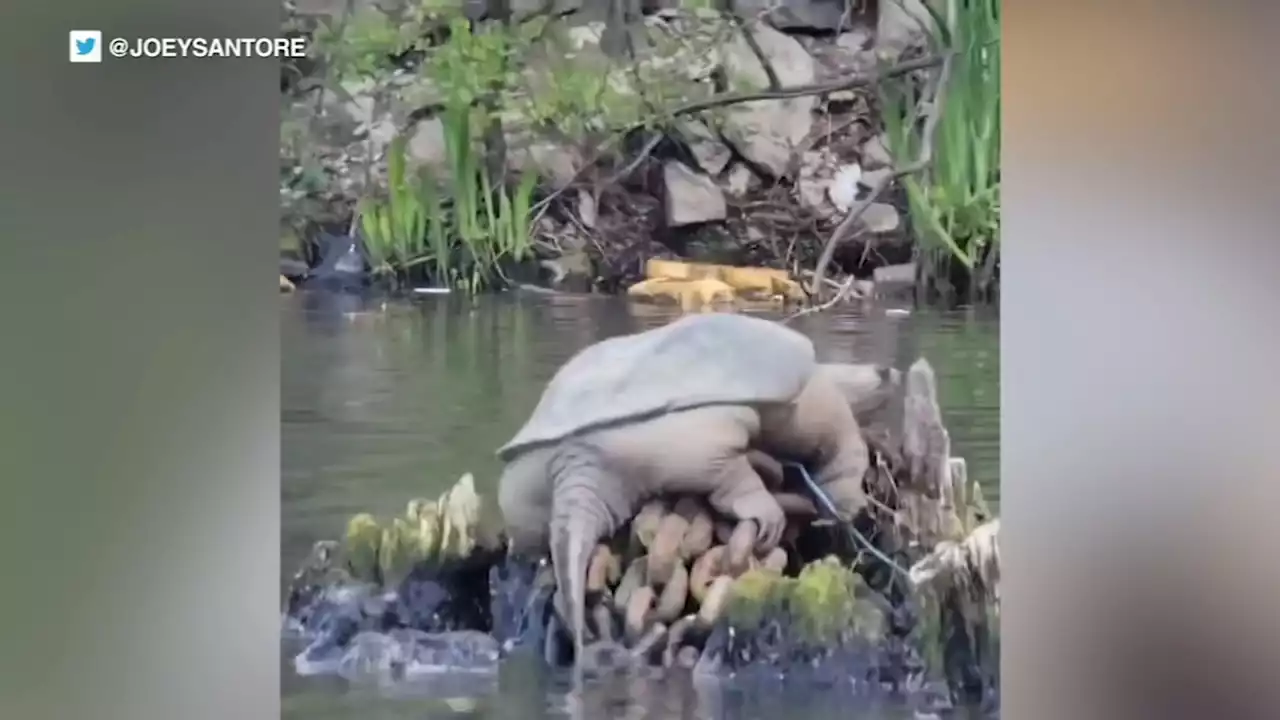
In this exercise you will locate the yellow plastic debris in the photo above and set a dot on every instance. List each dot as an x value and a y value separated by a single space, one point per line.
749 283
689 294
766 282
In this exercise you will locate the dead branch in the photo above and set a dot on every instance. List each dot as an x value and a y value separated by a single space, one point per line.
730 8
795 91
843 291
933 103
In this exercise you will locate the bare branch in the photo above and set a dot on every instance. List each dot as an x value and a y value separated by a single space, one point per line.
730 8
795 91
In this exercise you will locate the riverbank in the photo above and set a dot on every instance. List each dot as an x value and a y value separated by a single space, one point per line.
714 137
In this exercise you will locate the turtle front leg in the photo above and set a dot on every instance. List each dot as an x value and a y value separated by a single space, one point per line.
741 494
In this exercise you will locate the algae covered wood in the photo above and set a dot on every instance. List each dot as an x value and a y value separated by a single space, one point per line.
692 362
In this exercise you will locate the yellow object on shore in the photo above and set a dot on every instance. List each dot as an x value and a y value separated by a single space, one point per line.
702 285
691 295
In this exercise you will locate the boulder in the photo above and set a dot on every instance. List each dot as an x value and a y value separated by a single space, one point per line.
875 153
691 197
808 15
901 24
880 218
766 132
426 146
711 152
739 180
871 178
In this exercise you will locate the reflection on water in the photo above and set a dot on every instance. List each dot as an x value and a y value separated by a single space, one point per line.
383 403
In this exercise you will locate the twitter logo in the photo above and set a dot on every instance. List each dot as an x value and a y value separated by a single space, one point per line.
86 46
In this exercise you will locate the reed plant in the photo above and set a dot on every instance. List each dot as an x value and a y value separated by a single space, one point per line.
461 227
954 203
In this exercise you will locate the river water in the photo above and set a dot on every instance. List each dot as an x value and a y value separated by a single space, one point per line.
385 402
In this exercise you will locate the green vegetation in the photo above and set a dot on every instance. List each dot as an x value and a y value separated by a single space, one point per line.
463 226
826 600
464 242
467 221
954 204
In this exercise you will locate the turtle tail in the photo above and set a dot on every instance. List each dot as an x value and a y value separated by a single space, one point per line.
586 505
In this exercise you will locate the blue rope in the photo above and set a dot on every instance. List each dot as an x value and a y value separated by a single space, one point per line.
825 503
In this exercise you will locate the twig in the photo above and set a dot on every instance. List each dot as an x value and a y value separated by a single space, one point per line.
796 91
635 162
730 8
841 294
932 113
735 98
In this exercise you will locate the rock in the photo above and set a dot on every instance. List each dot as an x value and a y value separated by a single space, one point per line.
426 146
821 15
691 198
856 40
336 8
522 9
585 36
875 153
901 24
880 218
843 190
712 154
571 272
766 131
813 192
557 165
871 178
740 180
815 177
586 209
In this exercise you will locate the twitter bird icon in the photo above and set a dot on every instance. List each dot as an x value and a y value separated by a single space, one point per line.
86 46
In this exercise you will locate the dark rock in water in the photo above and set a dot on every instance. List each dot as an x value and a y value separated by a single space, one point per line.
293 268
459 650
402 653
342 263
520 605
313 614
440 615
329 644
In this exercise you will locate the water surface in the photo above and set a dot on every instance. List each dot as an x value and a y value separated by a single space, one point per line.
381 403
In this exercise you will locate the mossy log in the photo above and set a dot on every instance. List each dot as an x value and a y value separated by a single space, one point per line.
384 553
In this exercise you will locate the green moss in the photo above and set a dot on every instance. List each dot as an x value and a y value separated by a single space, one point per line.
386 553
755 595
825 602
360 547
829 599
400 551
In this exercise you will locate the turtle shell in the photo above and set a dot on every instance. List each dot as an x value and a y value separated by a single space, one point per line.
704 359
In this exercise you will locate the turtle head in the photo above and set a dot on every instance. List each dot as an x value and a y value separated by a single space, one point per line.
867 387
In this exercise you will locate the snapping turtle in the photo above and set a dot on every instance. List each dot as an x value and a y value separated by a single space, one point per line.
678 409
